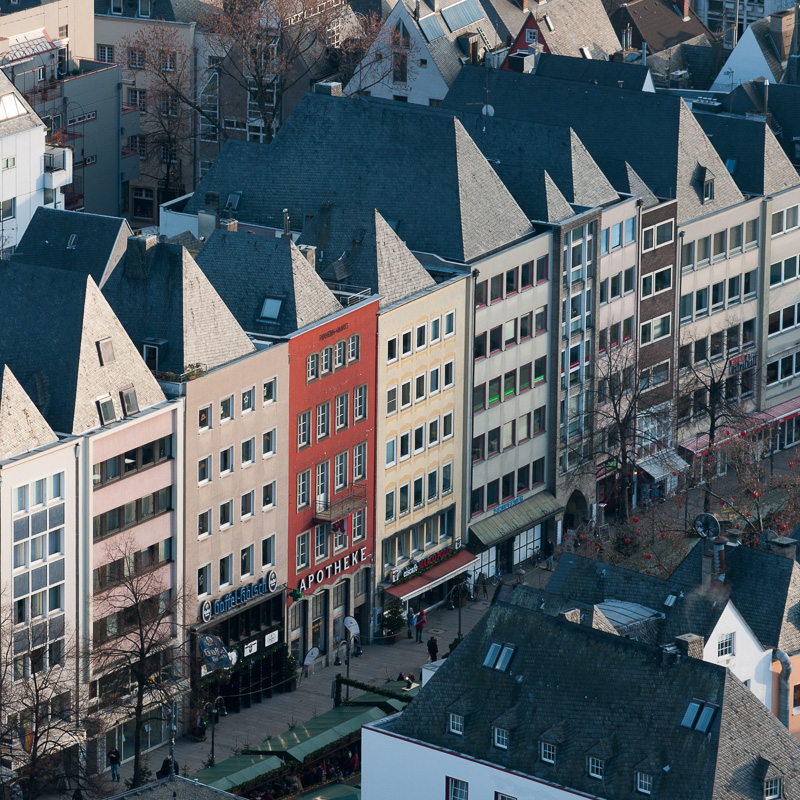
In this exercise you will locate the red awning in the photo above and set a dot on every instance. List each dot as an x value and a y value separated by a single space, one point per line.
438 573
761 419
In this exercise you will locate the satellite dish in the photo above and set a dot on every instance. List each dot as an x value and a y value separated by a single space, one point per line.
706 526
487 111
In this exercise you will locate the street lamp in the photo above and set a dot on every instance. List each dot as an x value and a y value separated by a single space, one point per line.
459 587
214 711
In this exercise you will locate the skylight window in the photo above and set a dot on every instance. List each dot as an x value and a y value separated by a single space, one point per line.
11 107
130 404
549 23
72 244
491 656
106 350
706 718
691 714
585 52
699 716
105 406
505 657
730 165
271 308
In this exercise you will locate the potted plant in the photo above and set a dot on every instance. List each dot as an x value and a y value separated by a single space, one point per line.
394 619
292 671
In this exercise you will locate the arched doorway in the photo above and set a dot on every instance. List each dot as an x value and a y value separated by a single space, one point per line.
576 511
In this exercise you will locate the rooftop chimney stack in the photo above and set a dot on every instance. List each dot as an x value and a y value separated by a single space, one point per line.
784 546
330 88
690 644
416 9
686 17
287 230
781 28
310 252
718 569
136 256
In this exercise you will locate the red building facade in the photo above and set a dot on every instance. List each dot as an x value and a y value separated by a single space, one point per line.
332 445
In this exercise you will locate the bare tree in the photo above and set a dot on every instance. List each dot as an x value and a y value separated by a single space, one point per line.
136 636
266 47
715 386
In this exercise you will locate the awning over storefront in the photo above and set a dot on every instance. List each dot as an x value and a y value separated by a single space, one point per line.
662 464
516 518
235 771
439 573
761 419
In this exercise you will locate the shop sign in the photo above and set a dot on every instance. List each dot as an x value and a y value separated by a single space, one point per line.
333 331
271 638
340 565
742 362
213 651
250 648
510 503
423 563
266 585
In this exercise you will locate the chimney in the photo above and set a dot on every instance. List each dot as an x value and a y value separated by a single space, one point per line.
766 99
784 546
685 6
734 537
690 644
310 252
572 615
416 9
781 27
287 229
212 201
329 88
718 568
524 5
231 225
136 255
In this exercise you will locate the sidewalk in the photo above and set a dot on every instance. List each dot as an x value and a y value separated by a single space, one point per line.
378 664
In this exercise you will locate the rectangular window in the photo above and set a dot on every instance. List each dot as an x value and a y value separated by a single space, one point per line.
433 381
204 470
718 296
419 492
616 286
701 302
303 479
268 551
548 752
391 401
449 374
391 350
354 347
389 506
595 768
226 461
303 429
301 551
495 288
725 645
342 403
204 580
512 281
526 275
703 251
720 245
340 471
542 268
616 236
419 439
226 570
540 370
540 323
644 783
751 234
457 789
404 499
359 461
248 451
628 280
419 388
479 346
449 324
433 432
405 445
323 420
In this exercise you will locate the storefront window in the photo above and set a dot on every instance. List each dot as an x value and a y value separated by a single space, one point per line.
296 630
318 621
526 543
339 600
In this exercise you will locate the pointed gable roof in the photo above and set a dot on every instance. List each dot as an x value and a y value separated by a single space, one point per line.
51 323
371 254
22 427
158 291
246 270
556 205
76 241
418 167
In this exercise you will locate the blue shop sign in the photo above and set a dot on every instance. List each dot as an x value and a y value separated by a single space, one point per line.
211 608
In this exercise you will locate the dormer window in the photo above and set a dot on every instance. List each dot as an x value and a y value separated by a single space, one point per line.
144 8
644 783
456 724
596 767
708 190
105 348
772 788
500 737
547 752
105 407
585 52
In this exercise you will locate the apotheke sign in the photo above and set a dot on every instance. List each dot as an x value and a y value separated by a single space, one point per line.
340 565
210 608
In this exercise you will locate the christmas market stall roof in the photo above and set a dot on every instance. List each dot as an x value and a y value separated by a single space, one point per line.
238 770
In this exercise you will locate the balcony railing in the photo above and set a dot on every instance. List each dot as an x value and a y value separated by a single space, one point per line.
345 503
54 161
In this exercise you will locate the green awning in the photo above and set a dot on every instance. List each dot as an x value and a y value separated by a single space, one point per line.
513 518
237 770
336 791
326 729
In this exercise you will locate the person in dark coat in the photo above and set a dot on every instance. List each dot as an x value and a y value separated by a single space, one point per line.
114 757
420 624
548 553
433 649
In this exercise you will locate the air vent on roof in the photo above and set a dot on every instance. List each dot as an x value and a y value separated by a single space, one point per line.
72 244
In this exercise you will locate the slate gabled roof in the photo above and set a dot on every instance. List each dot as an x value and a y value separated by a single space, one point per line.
364 253
759 164
417 167
576 24
616 74
158 291
99 242
22 427
50 324
656 134
633 713
246 269
166 10
659 23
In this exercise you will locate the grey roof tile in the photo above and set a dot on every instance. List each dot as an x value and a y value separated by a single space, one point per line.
659 23
617 74
99 243
656 134
246 269
167 10
158 291
445 199
576 24
22 427
632 715
50 324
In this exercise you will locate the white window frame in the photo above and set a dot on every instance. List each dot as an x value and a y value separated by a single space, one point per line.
595 768
452 364
500 738
644 782
359 461
455 724
726 645
209 468
450 321
547 752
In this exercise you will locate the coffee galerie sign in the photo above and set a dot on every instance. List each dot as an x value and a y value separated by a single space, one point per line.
334 568
210 608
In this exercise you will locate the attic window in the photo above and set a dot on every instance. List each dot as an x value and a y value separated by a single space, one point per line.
233 201
144 8
549 23
708 190
772 788
595 768
547 751
130 404
730 165
491 656
644 783
699 716
105 407
271 308
505 657
72 244
105 349
456 724
585 52
500 736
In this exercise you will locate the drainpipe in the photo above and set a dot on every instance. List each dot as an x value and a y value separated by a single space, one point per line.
786 671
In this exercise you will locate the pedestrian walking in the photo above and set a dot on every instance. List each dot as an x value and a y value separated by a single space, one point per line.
433 649
411 621
548 553
113 757
420 624
482 585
